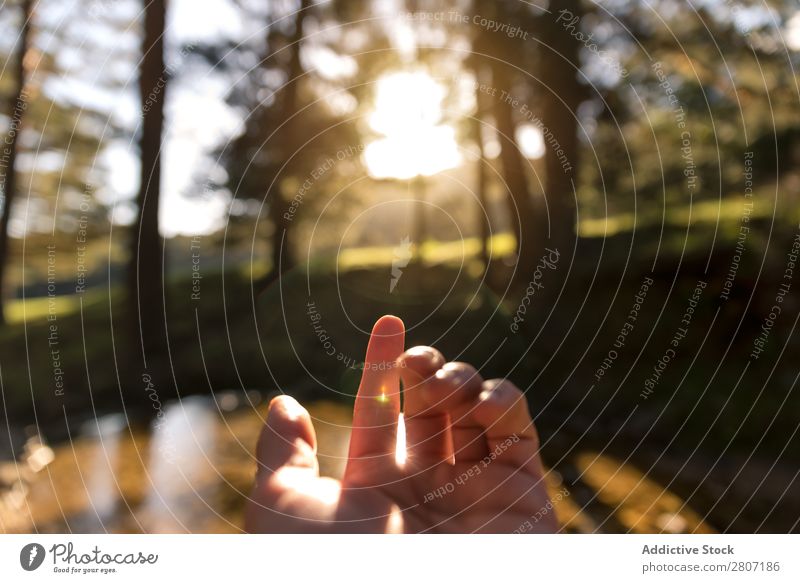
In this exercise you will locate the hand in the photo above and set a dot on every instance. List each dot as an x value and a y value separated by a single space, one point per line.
471 454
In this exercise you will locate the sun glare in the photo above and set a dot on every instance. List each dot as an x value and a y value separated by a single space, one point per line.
400 452
408 113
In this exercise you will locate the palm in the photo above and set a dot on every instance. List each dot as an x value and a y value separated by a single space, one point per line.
471 455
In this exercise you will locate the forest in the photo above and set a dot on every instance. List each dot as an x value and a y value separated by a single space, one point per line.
207 204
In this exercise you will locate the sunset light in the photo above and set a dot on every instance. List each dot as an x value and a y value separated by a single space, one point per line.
408 114
395 267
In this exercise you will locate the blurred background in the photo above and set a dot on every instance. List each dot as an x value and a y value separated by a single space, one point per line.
208 203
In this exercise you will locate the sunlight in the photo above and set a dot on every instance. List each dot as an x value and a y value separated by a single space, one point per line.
400 453
793 32
408 112
406 101
531 141
422 153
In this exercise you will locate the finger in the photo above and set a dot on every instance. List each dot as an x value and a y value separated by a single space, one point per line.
288 438
452 385
287 481
374 438
427 433
436 411
511 438
469 442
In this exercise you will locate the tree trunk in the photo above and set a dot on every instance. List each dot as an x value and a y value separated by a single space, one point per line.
9 155
520 205
501 54
283 256
420 220
561 96
484 215
146 262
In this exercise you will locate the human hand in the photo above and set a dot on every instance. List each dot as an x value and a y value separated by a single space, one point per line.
471 454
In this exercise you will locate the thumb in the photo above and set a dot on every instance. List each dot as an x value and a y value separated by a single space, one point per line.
287 442
288 438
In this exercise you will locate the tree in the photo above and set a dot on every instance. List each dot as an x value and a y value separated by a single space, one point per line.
282 245
502 59
712 74
9 157
146 260
482 182
290 132
476 131
559 64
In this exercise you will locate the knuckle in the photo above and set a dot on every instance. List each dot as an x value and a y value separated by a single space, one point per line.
503 392
422 359
460 375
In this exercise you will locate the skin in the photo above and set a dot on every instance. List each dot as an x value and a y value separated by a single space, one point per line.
472 461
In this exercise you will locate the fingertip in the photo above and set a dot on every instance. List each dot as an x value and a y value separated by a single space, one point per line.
284 406
462 377
389 325
449 386
423 360
501 393
386 343
501 403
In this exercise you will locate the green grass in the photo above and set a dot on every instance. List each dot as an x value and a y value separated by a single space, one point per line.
33 309
454 252
728 211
